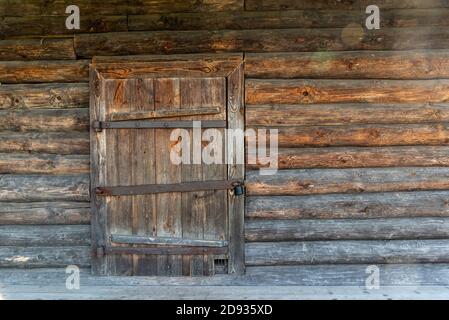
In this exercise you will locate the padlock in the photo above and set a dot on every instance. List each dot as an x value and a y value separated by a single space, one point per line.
239 190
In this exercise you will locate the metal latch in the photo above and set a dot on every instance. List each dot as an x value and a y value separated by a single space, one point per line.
239 189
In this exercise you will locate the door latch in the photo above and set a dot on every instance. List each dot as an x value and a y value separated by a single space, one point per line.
239 189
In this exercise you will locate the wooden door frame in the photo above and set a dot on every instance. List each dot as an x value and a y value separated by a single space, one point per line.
230 66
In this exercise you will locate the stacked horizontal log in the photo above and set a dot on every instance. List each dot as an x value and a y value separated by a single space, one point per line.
44 153
363 145
362 119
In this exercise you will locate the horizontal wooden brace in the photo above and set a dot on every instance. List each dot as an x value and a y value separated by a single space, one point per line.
164 188
132 239
141 115
156 124
162 250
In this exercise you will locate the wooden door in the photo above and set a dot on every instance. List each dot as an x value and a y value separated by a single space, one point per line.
151 215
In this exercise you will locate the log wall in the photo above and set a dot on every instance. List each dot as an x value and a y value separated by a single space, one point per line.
362 119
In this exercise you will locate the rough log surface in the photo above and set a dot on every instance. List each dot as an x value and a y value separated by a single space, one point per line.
56 95
335 252
347 91
69 235
44 213
345 113
44 188
322 181
347 229
419 64
359 157
350 206
48 142
22 163
32 257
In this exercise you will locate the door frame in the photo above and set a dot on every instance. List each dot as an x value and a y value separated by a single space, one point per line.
230 66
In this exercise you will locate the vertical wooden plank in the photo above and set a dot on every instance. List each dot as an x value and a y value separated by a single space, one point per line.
118 165
98 172
140 96
215 220
192 202
236 204
169 223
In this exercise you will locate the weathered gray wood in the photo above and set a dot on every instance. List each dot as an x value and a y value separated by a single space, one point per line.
321 181
347 5
45 8
350 206
32 257
236 170
275 40
45 120
372 135
35 236
348 91
127 239
23 163
347 229
44 213
359 157
205 57
50 142
44 71
418 64
55 95
44 188
37 49
435 274
45 25
115 7
330 252
344 113
240 20
97 176
223 293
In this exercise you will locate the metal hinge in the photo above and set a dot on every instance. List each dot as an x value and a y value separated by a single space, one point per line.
236 186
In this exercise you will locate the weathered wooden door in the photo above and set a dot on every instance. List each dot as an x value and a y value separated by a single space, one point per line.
152 215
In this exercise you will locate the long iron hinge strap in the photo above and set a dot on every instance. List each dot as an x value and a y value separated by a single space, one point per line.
144 115
133 239
165 188
156 124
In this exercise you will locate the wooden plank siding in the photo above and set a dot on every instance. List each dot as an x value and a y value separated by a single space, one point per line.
362 118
